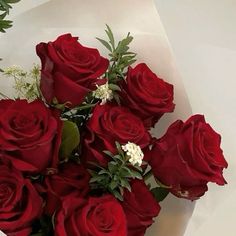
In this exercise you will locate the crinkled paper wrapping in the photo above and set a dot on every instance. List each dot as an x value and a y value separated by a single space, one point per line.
36 21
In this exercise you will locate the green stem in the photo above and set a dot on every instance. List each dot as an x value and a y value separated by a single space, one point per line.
148 175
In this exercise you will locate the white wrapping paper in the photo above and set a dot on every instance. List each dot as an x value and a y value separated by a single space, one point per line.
45 20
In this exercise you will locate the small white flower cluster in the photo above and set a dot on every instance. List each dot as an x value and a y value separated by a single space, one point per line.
104 93
134 152
26 84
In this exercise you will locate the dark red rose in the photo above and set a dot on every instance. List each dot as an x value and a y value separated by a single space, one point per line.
31 133
148 96
69 70
97 216
108 124
140 208
20 204
72 179
187 157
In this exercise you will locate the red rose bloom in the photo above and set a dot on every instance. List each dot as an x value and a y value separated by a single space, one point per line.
148 96
187 157
140 208
20 204
69 70
97 216
72 179
31 133
108 124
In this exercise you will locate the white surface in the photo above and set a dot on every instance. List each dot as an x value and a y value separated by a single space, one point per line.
203 37
87 20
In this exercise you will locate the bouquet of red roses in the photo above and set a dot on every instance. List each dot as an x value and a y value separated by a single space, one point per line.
76 151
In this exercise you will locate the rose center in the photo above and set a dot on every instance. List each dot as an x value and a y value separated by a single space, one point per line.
5 193
22 122
102 219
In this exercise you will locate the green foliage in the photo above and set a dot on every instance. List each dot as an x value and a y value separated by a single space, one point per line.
70 139
120 56
26 83
116 177
5 6
160 193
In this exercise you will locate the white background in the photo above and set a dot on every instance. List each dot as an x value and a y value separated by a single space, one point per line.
202 34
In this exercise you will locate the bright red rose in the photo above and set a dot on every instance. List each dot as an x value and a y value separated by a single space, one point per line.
140 208
20 204
72 179
30 133
69 70
148 96
187 157
108 124
97 216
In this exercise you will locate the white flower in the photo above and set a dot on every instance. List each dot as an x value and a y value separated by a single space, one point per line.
104 93
134 152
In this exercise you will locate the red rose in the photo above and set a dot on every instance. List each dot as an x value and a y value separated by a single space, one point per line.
31 133
140 208
108 124
69 70
148 96
187 157
20 204
97 216
72 179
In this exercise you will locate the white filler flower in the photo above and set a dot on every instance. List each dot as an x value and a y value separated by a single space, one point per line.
104 93
134 152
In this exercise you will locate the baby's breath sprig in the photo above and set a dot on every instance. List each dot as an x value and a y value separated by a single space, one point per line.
26 83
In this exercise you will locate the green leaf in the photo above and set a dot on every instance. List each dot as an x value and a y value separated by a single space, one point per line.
97 178
105 43
114 87
117 195
70 139
2 16
118 157
110 36
5 8
117 98
136 174
139 168
118 147
160 184
113 184
12 1
112 167
101 172
108 153
160 193
124 183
